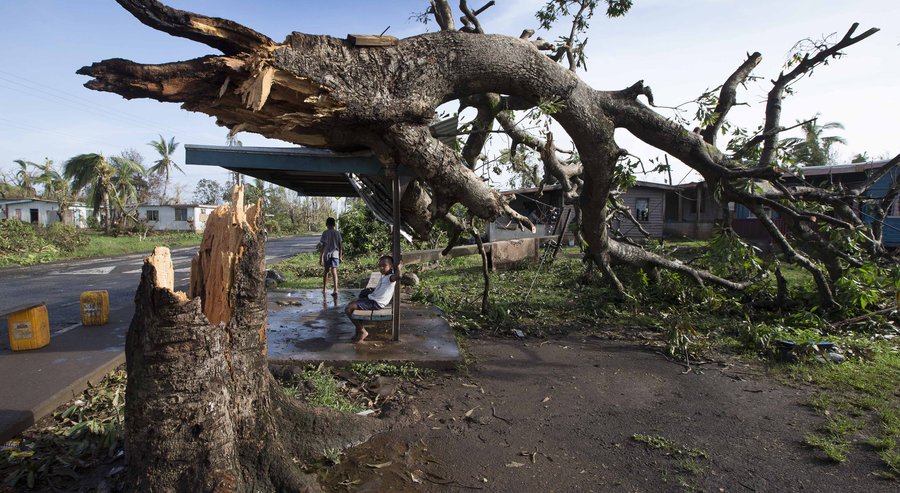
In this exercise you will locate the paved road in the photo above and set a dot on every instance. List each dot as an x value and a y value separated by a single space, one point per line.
61 284
35 382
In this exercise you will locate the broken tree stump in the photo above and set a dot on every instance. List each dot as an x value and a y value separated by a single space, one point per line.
202 411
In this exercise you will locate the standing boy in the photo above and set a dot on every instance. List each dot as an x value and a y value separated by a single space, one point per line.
332 250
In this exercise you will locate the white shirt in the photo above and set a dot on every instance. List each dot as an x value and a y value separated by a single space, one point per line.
384 291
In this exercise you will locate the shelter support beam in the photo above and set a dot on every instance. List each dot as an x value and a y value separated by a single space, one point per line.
395 201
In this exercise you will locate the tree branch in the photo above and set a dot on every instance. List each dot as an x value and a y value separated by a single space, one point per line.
443 14
776 94
471 18
227 36
760 137
794 256
728 96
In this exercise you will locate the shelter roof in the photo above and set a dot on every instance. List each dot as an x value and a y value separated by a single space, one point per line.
310 172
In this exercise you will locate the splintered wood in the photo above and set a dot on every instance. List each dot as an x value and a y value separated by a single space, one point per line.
163 270
213 267
371 40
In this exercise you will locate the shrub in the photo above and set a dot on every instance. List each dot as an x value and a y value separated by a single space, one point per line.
66 237
23 244
19 237
362 233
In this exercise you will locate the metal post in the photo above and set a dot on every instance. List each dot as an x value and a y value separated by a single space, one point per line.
395 202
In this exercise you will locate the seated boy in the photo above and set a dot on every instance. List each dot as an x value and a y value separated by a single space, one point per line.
379 297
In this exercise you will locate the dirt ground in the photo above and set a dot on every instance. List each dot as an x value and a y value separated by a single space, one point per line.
572 414
562 415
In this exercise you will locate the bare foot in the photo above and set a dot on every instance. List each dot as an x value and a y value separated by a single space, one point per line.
362 336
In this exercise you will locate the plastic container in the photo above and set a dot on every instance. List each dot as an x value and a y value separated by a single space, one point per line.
94 307
29 328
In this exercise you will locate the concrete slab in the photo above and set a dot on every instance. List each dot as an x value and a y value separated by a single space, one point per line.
306 327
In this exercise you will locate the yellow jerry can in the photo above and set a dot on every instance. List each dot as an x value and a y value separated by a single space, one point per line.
94 307
29 327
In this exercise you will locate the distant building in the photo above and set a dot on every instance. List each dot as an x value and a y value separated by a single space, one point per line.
846 175
177 217
646 201
42 212
691 211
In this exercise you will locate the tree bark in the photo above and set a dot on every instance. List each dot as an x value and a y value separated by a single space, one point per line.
202 411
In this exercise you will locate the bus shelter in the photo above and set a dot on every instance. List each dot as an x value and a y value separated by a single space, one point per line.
322 173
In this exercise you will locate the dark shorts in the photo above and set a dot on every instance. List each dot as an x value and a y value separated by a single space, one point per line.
331 262
367 304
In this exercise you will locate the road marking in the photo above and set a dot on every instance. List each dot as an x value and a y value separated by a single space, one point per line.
98 270
66 329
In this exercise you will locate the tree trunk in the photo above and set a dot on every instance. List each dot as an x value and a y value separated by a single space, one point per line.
108 217
202 412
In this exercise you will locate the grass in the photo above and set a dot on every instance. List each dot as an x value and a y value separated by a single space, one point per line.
100 245
107 246
555 301
660 442
687 459
325 390
406 370
303 271
859 400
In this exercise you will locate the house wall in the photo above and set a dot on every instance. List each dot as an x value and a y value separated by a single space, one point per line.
196 217
165 218
78 216
46 211
200 215
654 221
890 233
688 217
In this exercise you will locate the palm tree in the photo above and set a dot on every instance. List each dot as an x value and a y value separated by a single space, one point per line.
92 170
127 177
165 163
24 179
813 149
48 177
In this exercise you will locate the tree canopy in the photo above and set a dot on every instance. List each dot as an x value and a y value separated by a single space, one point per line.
321 91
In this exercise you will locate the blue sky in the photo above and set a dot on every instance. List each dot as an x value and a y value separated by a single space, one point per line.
679 48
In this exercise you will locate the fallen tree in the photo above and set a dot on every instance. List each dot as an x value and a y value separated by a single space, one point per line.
196 370
326 92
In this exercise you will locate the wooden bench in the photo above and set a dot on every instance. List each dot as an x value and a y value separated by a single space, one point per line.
376 319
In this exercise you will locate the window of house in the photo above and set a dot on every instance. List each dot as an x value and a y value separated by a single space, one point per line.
642 209
19 214
181 214
34 216
153 215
